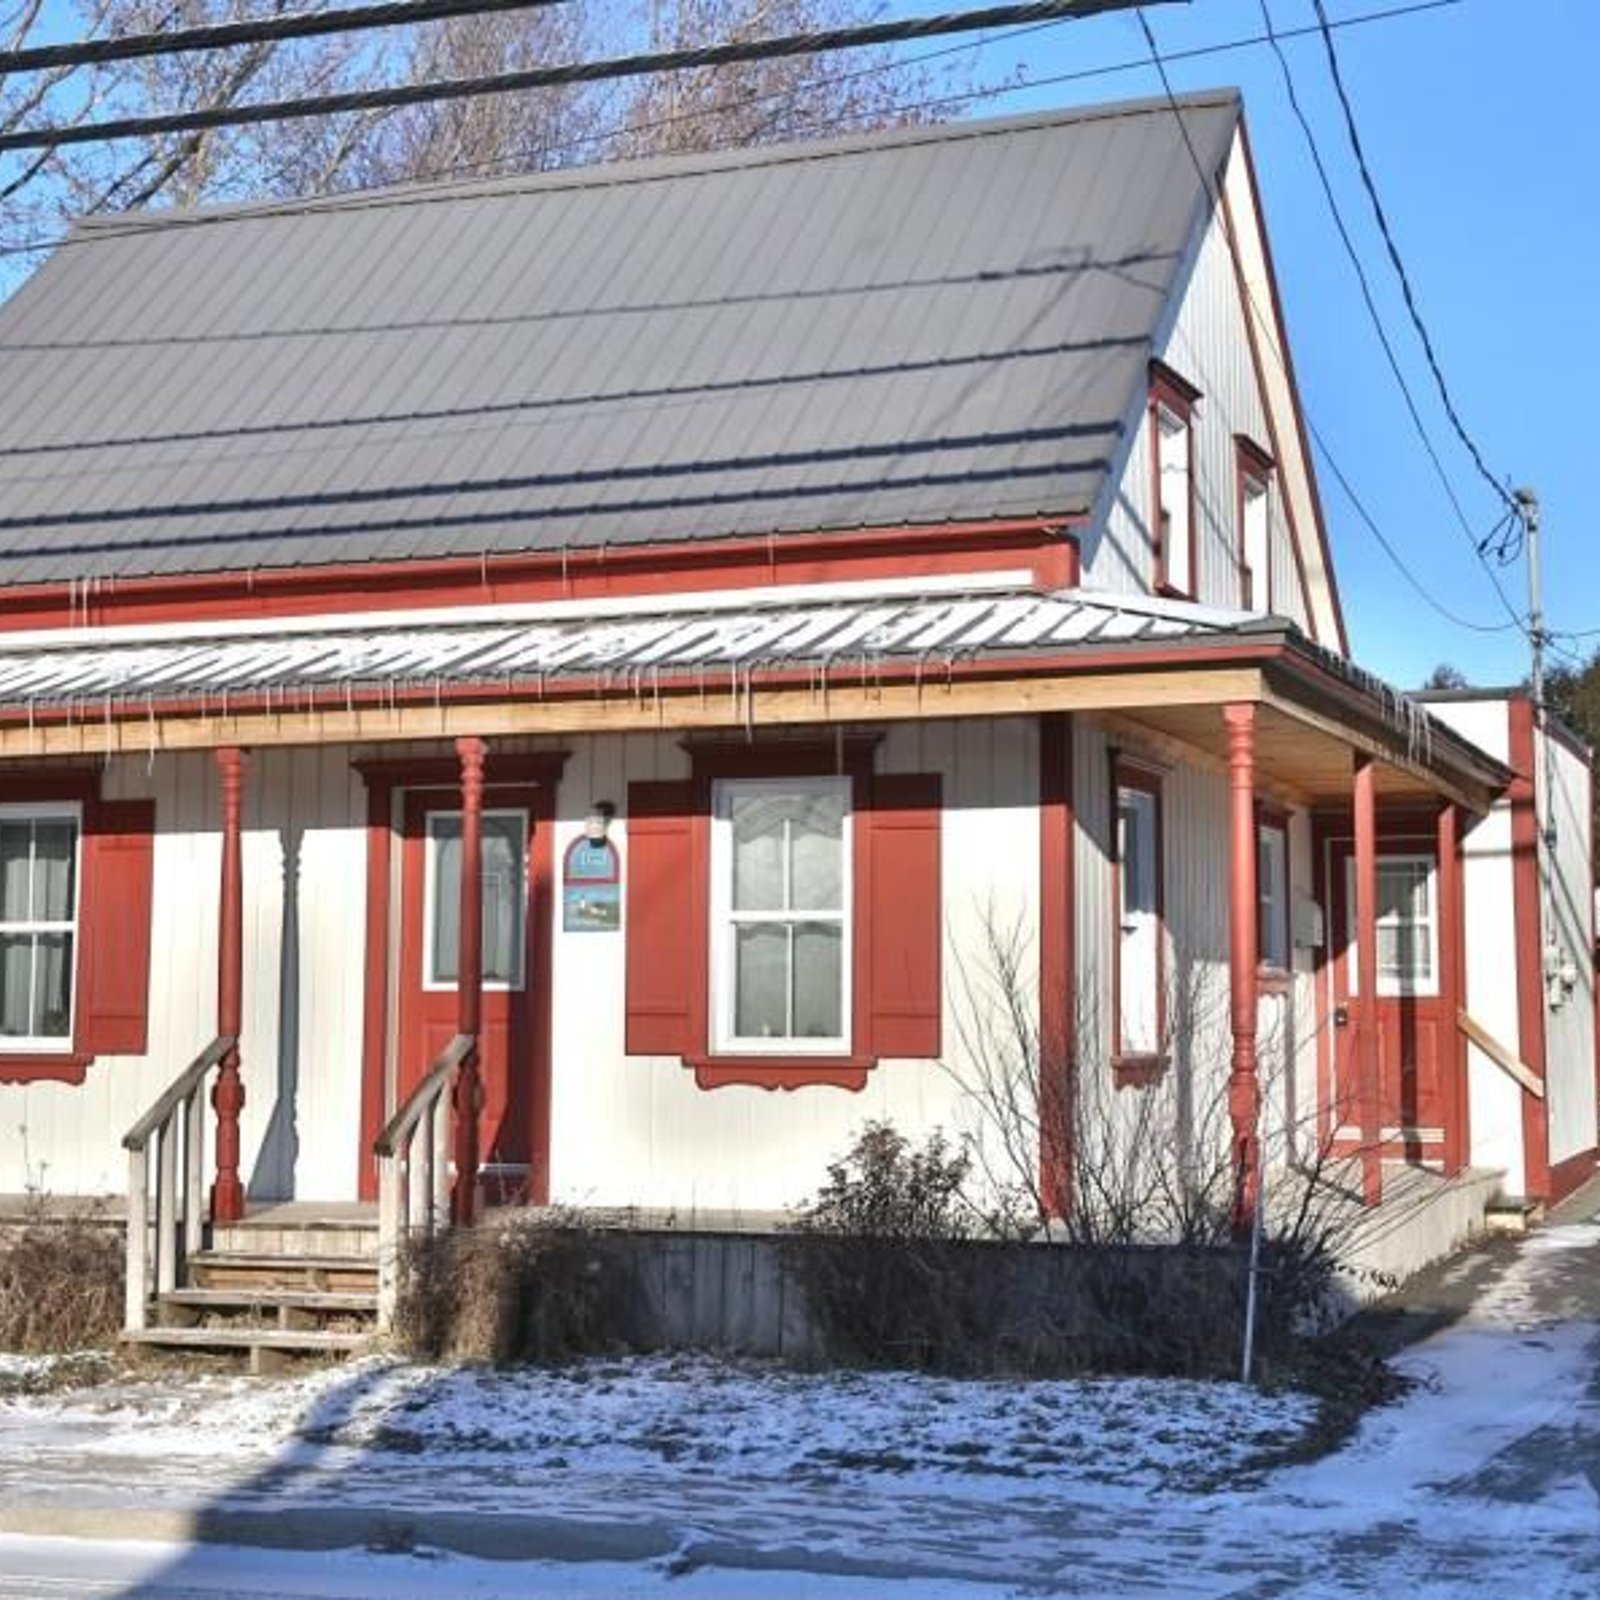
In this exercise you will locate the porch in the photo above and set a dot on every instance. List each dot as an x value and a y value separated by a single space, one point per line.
1024 697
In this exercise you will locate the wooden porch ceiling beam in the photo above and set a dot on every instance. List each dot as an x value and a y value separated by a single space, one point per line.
624 712
1477 798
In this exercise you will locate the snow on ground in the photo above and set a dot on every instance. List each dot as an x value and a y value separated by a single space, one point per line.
641 1414
719 1479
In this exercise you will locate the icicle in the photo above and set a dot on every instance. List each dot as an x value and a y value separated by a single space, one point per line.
150 729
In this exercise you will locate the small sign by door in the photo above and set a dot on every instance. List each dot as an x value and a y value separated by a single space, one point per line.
591 887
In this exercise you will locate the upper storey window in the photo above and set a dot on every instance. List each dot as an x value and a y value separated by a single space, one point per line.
1172 403
1254 469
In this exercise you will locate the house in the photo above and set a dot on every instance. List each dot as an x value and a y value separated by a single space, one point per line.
556 685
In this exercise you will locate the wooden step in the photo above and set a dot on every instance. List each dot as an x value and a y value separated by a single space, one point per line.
1512 1214
284 1308
267 1348
296 1239
240 1270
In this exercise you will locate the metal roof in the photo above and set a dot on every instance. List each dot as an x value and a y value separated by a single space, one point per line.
932 325
731 638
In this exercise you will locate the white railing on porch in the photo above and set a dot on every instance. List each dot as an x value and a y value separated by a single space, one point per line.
413 1154
171 1209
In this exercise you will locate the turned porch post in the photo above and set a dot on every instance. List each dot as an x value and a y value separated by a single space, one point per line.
1244 1089
468 1096
227 1096
1368 1089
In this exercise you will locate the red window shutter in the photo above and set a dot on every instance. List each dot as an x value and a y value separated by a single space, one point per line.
904 929
666 921
114 928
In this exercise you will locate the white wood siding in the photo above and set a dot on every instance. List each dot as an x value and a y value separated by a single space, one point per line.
303 1084
637 1131
1209 346
1569 941
1195 853
633 1131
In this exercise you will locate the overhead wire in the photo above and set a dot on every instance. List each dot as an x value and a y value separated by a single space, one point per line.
1337 212
1371 523
606 69
1409 294
439 186
256 30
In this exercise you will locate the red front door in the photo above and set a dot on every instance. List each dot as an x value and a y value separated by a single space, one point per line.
1413 1025
510 1054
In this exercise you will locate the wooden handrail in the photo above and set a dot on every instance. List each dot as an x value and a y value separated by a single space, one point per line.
1502 1055
138 1136
416 1103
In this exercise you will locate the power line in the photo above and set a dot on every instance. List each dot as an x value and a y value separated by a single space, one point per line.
1321 442
1399 265
1479 546
604 70
1361 272
258 30
438 189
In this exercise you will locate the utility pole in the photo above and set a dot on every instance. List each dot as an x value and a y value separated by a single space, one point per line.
1543 776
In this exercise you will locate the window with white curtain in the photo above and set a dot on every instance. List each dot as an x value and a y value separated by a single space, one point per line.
505 899
1407 925
39 850
1173 465
780 915
1139 917
1255 542
1272 891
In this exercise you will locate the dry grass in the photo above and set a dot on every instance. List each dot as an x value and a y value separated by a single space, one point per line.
537 1289
61 1284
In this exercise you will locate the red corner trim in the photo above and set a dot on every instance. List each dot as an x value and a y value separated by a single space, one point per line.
1565 1176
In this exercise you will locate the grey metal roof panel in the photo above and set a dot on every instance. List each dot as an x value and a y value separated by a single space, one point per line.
777 630
930 325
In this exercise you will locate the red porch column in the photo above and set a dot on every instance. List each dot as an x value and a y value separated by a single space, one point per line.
1366 1004
1452 987
1058 971
1244 1089
227 1097
468 1099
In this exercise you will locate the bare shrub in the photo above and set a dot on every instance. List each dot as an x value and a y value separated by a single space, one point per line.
1156 1277
883 1259
539 1289
61 1281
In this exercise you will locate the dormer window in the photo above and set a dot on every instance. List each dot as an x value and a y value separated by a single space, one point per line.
1172 481
1254 467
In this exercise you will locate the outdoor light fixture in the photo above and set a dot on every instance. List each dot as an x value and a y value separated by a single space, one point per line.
598 823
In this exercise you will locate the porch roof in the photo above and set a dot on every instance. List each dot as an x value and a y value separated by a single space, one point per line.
821 654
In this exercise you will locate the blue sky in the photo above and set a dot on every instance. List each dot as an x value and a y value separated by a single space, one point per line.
1478 124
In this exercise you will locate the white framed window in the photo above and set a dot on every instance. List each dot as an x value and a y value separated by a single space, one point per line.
505 900
40 849
1139 917
1272 893
1255 542
1408 926
780 915
1175 553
